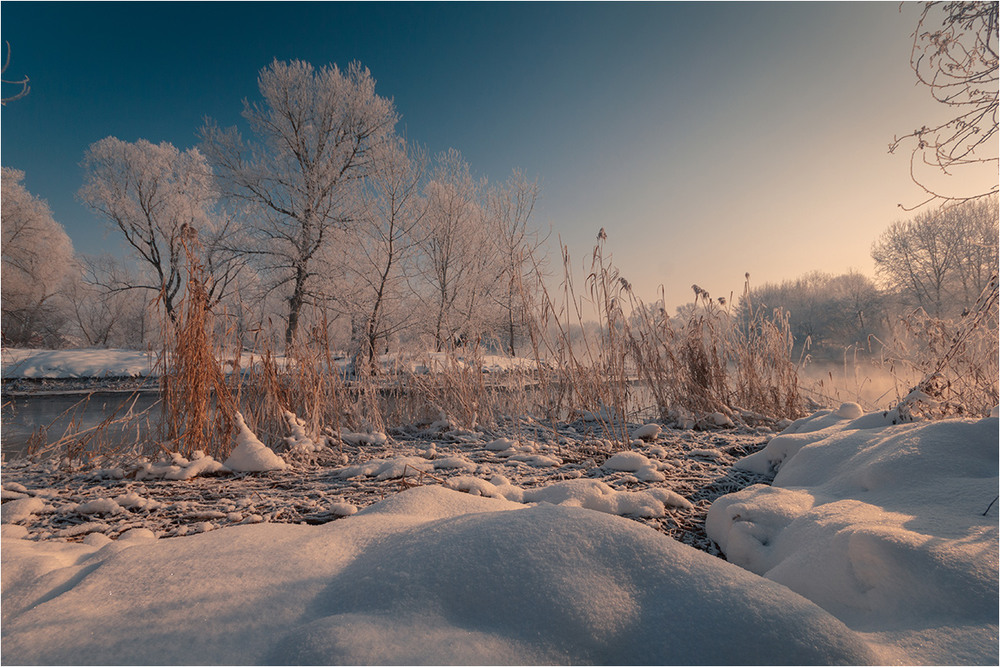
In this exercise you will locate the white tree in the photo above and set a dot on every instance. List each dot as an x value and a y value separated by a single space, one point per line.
315 130
455 251
379 245
105 310
160 198
518 282
941 260
37 261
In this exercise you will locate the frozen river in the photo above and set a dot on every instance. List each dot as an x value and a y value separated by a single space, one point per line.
40 419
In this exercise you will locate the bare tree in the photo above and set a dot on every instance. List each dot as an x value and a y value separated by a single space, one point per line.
455 251
940 260
37 261
106 309
830 312
955 55
158 196
381 241
517 282
23 83
316 130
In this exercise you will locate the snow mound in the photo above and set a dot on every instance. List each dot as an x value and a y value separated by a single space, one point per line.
893 518
635 462
647 432
398 466
428 576
16 510
589 494
179 467
595 495
250 454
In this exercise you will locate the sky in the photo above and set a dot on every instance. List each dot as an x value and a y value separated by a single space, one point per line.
707 139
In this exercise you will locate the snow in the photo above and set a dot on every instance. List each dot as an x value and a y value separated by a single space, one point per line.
250 454
647 432
99 506
428 576
93 363
635 462
17 510
893 518
873 544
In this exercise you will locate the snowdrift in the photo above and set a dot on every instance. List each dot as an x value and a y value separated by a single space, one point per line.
428 576
882 525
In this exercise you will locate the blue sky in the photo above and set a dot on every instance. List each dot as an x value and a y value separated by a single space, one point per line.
709 139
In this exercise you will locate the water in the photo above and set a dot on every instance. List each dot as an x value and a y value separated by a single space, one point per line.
44 418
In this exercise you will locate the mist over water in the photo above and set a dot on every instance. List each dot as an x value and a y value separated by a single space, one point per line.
862 381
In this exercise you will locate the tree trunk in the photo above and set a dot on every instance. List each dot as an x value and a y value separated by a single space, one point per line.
295 306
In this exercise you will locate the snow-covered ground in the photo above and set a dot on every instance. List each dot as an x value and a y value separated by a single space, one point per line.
61 364
96 363
888 527
524 542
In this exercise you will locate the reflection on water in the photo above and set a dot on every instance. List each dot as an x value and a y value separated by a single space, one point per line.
44 419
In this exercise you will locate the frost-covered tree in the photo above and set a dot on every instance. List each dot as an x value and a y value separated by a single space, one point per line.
22 83
105 311
831 312
379 245
509 207
955 56
160 198
315 131
37 262
456 253
940 260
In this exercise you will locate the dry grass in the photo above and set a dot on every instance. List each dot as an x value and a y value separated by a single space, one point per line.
956 360
603 355
194 389
711 362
